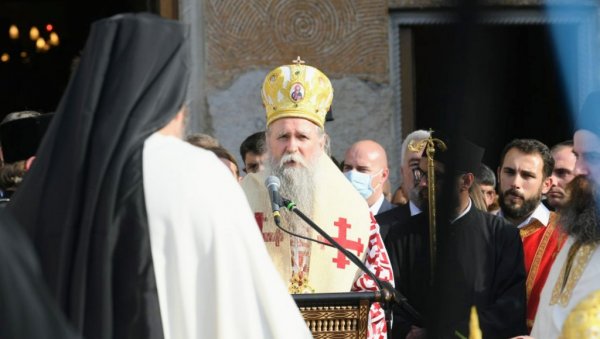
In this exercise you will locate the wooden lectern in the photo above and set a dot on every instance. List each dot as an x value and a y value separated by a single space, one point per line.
337 315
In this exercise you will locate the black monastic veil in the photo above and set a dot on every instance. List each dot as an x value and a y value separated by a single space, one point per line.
82 203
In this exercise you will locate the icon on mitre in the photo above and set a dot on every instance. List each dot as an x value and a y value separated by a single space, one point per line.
297 92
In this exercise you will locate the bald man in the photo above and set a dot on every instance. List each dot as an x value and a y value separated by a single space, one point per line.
366 167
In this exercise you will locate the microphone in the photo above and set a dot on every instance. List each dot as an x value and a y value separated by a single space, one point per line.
389 294
273 184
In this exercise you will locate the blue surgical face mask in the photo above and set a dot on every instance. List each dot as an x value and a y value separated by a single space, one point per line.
361 182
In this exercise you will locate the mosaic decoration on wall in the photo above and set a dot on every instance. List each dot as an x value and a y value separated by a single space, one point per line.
430 4
341 37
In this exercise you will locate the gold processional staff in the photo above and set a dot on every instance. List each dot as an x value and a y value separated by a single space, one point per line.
429 146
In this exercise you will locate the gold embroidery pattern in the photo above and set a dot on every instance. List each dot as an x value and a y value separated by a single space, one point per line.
529 323
530 229
539 254
299 284
571 272
584 320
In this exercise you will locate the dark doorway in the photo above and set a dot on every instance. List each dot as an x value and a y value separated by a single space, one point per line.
32 80
490 83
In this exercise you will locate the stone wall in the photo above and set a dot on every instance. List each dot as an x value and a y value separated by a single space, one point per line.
236 42
432 4
346 39
343 37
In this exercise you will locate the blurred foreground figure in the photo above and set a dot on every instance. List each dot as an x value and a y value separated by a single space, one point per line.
27 309
584 320
131 242
576 271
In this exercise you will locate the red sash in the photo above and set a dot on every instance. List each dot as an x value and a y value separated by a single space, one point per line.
541 245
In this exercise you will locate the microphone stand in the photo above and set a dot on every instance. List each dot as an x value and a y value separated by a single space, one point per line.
389 295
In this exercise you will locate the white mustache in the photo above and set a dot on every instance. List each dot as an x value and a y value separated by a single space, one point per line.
289 157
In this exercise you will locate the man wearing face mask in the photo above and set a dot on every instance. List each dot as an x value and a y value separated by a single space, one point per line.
365 166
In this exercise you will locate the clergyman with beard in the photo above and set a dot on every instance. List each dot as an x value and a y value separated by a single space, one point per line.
296 143
575 273
479 255
524 175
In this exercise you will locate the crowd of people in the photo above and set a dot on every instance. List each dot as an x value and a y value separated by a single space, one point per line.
119 225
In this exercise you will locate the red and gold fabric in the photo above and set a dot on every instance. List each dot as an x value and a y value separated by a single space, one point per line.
341 212
541 244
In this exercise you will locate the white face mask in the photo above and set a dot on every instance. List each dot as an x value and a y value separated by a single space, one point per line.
362 182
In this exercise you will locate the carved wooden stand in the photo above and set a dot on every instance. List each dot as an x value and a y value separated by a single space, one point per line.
336 315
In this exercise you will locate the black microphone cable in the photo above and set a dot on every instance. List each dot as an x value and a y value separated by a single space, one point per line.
278 224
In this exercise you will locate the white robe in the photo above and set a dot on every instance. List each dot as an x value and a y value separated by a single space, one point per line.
549 319
214 276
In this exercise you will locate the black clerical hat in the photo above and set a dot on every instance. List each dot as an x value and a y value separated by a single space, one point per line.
461 155
21 134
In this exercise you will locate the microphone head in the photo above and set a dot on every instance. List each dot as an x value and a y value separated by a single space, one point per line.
272 181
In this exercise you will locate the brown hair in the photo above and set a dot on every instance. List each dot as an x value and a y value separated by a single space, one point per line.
222 153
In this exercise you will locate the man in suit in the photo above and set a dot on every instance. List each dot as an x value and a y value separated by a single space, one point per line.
366 167
409 160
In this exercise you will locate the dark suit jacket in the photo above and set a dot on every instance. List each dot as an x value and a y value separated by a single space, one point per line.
390 218
393 224
385 206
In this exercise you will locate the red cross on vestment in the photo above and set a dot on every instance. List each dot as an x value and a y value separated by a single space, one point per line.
357 245
275 237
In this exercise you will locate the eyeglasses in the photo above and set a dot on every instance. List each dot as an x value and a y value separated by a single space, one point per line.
419 174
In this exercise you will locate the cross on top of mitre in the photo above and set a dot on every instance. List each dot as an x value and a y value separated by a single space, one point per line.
299 61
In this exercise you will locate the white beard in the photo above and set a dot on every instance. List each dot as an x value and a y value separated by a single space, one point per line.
297 185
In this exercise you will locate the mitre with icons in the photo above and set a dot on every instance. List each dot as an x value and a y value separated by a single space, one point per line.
304 92
297 91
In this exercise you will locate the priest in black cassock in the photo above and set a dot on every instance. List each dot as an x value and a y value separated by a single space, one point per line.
479 259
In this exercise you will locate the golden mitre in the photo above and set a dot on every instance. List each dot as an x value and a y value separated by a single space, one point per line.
297 91
584 319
